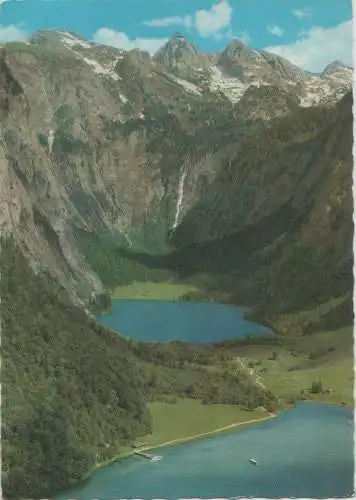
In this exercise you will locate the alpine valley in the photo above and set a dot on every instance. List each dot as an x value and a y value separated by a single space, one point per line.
226 174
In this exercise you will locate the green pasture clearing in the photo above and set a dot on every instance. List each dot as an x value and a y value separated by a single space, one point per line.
287 370
188 418
152 291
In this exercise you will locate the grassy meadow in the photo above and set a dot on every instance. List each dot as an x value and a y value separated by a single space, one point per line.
289 370
152 291
188 418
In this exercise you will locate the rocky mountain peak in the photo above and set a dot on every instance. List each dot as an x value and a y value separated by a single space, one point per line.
177 36
138 57
176 49
43 36
256 66
334 67
237 58
181 57
238 49
56 38
236 45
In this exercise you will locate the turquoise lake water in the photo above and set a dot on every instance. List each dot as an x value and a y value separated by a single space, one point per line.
195 322
305 452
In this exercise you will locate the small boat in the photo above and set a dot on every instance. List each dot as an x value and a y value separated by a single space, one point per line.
156 458
253 461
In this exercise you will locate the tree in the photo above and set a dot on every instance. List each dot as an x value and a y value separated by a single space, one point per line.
316 387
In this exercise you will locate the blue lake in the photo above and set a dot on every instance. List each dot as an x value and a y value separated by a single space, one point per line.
305 452
163 321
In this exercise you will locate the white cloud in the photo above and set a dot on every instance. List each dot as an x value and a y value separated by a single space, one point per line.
106 36
275 30
207 22
318 47
164 22
302 13
12 33
211 22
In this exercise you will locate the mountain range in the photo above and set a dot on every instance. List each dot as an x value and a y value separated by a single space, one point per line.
97 139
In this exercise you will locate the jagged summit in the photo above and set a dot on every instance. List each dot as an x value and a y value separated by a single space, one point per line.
227 74
177 46
44 37
182 58
55 36
334 66
238 49
178 36
237 43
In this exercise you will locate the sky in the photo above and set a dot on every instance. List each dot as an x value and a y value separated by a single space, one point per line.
310 33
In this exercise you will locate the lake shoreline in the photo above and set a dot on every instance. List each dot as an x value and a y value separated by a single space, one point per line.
194 437
149 320
197 437
266 435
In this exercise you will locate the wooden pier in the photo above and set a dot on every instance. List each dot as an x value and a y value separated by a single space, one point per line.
147 456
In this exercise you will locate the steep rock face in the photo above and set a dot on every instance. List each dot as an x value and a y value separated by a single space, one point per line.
24 189
259 178
265 102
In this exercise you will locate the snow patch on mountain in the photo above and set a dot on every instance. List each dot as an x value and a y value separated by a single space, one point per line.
231 87
188 86
123 98
327 87
70 40
99 69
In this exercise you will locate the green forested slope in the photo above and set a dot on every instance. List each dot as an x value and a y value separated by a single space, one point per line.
70 389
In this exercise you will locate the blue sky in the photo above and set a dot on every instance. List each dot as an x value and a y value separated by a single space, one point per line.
310 33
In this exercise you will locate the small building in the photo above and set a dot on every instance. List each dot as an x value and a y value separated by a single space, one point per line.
138 445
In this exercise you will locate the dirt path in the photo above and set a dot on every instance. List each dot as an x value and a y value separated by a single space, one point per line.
252 373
